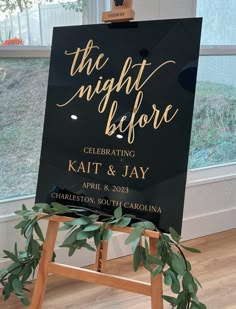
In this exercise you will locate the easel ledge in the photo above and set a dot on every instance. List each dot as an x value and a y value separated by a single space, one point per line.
46 266
128 230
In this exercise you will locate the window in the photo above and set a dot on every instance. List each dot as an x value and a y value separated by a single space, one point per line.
23 85
219 23
213 139
34 25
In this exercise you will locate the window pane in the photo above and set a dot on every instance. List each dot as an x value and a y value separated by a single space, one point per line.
34 26
23 84
219 22
214 126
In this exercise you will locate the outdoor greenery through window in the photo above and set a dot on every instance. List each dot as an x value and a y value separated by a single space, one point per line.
213 138
23 84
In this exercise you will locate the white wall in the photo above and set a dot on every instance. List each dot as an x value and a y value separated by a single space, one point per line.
210 203
161 9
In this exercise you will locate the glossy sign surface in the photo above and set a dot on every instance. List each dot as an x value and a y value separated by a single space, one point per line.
118 118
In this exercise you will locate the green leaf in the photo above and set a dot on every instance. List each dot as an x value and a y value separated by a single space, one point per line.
167 278
25 213
73 209
64 227
25 301
195 299
181 297
189 284
135 244
24 207
123 222
71 238
80 221
94 217
191 249
3 272
82 235
43 206
13 266
177 264
198 283
146 247
92 227
7 291
90 248
27 243
189 266
17 285
35 248
97 238
27 273
149 225
16 250
72 250
175 236
138 224
166 239
169 299
191 288
10 255
175 286
23 256
118 213
136 259
59 207
182 305
29 229
17 270
136 234
156 270
21 224
107 234
154 260
144 260
38 231
160 243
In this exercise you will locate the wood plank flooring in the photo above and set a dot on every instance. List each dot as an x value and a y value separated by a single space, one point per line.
215 268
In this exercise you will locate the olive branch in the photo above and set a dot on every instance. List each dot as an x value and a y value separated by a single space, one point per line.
169 260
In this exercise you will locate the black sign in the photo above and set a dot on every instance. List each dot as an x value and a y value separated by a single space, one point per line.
118 117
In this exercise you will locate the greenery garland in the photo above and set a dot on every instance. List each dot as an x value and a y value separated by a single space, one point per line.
170 260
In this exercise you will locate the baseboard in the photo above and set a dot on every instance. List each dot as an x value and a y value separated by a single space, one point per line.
210 223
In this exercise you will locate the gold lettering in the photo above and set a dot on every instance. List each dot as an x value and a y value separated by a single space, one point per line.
131 78
81 167
84 61
143 171
71 167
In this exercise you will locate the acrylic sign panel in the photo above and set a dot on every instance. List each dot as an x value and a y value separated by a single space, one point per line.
118 118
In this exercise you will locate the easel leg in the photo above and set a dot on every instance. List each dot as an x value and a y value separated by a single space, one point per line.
48 248
101 257
156 282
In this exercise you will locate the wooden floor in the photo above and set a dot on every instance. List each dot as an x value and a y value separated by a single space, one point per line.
215 267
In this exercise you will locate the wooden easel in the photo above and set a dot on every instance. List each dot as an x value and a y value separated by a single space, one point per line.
46 266
119 13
